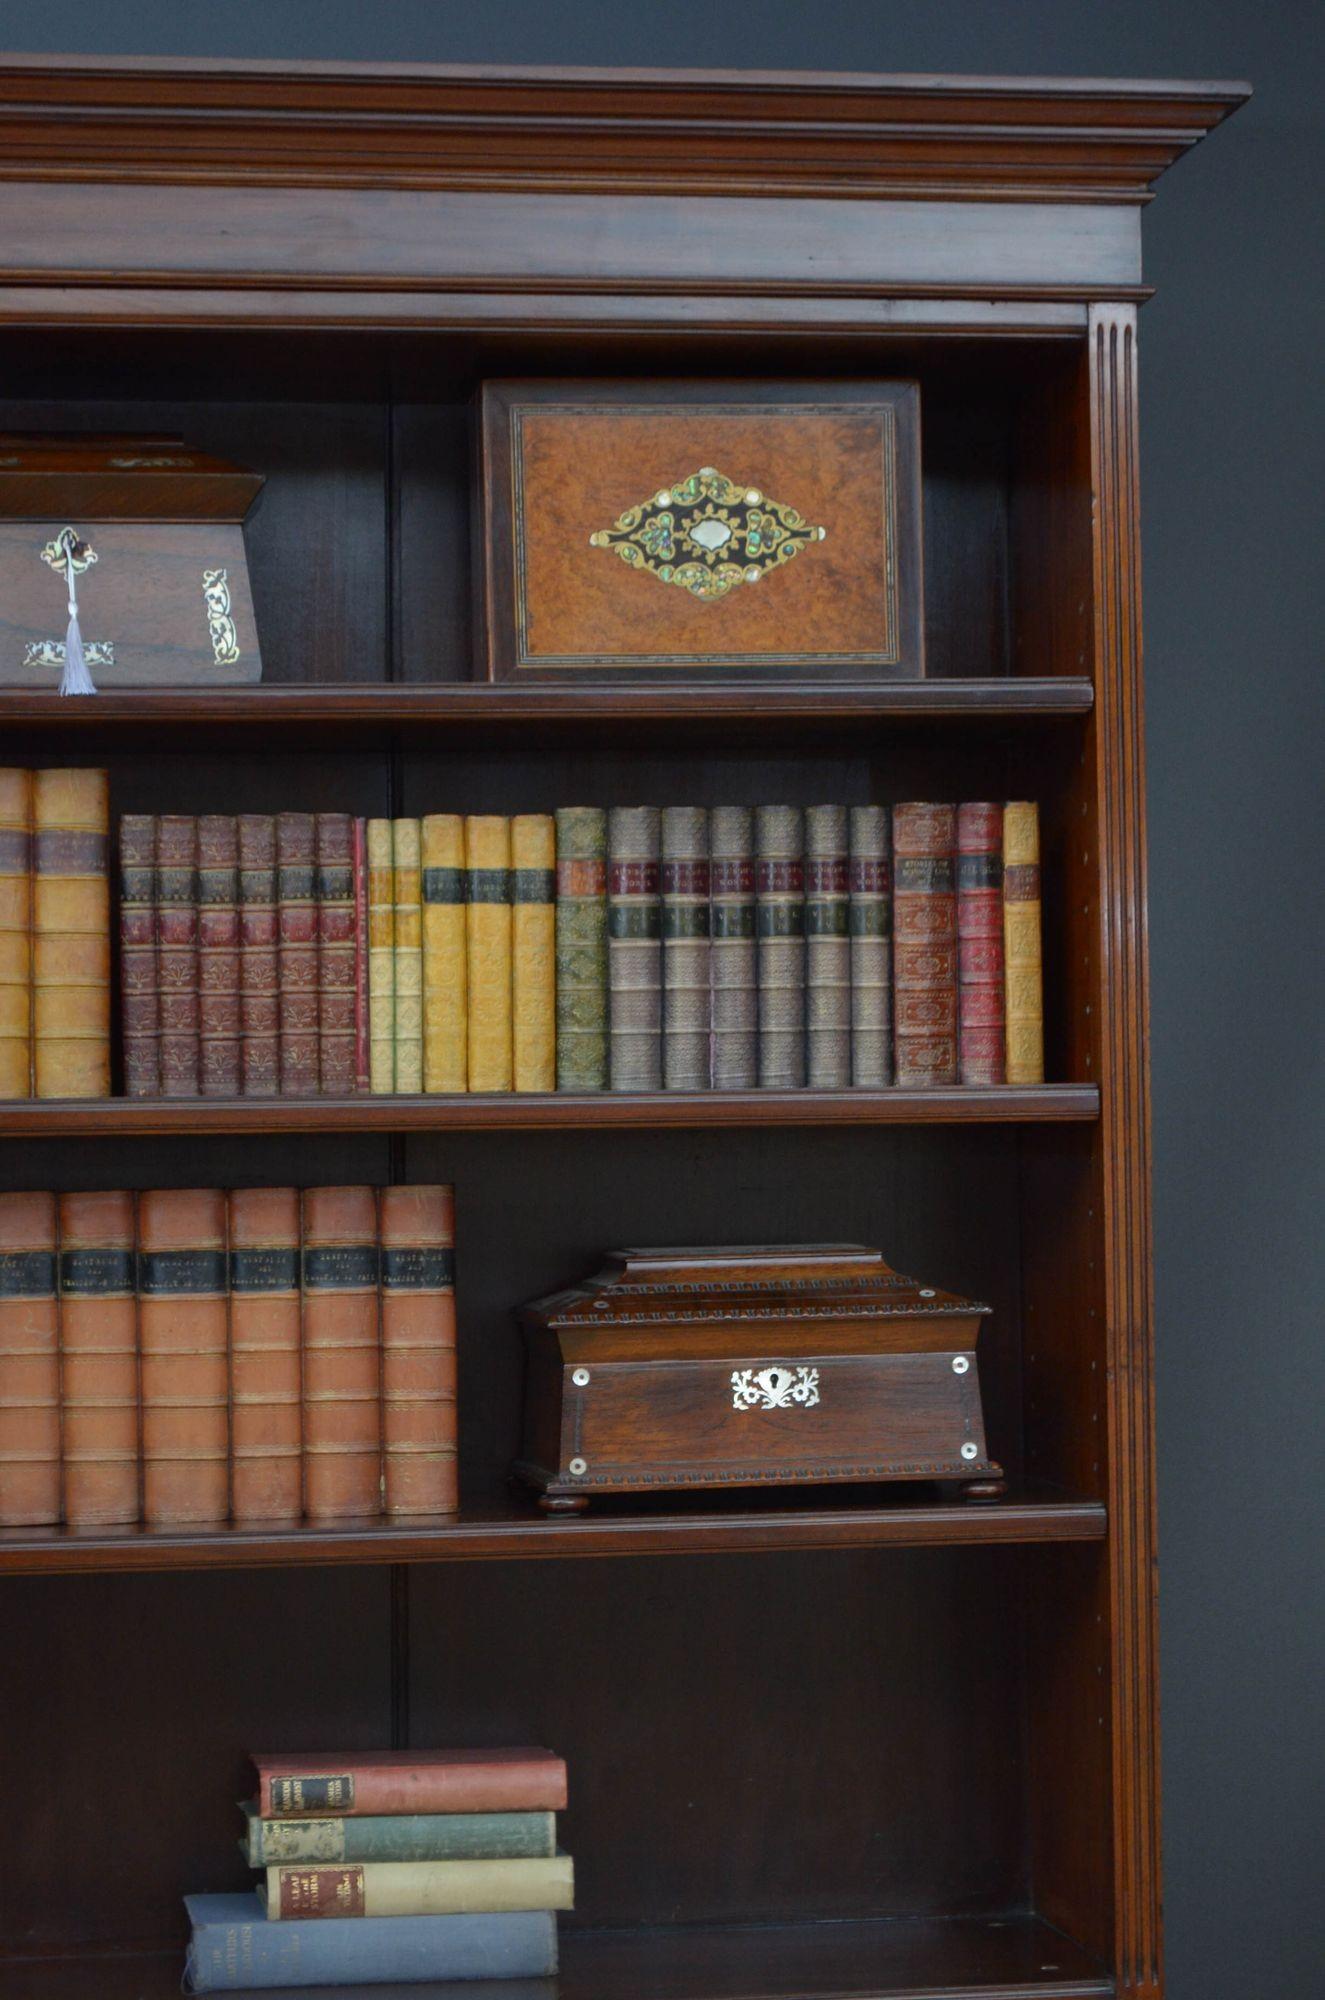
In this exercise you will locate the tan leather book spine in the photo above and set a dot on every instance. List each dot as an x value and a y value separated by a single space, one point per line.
15 933
1023 970
407 899
29 1362
381 960
71 934
182 1319
445 993
341 1353
418 1350
99 1356
488 947
534 951
266 1473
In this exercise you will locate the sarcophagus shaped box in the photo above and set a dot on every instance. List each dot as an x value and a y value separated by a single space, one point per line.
750 1367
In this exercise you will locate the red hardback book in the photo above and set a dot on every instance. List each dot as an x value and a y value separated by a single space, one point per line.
259 1002
924 944
336 950
218 956
362 1079
297 952
177 952
348 1783
980 943
139 1010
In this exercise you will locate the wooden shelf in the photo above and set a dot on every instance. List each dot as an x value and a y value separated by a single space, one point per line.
1017 1958
563 1111
821 704
692 1524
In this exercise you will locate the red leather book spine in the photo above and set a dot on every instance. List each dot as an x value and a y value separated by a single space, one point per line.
259 1001
335 954
219 1007
342 1353
924 944
177 952
297 952
362 1078
265 1421
140 1014
29 1362
418 1350
980 1036
350 1785
99 1356
182 1320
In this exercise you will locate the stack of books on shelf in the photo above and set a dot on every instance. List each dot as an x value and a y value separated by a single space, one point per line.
54 934
632 949
192 1355
391 1865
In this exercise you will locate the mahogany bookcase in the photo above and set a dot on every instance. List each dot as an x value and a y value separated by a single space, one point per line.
875 1743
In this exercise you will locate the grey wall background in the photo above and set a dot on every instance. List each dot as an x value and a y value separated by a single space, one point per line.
1234 446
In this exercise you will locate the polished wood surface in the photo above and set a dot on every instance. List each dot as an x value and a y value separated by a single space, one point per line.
872 1705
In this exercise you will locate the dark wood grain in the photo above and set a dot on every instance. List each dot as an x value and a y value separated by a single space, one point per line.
556 1111
862 1518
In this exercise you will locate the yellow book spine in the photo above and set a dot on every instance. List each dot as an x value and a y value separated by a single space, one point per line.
488 934
445 998
534 950
15 933
408 898
1021 942
71 934
381 959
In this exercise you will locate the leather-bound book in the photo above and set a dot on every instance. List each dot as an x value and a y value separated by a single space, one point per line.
581 948
15 933
445 976
334 837
418 1350
182 1330
259 976
980 1054
140 1014
634 949
177 952
381 959
780 916
1022 943
266 1471
295 1891
71 934
871 918
359 848
99 1356
733 949
310 1784
220 1022
29 1362
488 950
687 1013
534 951
827 949
341 1353
407 901
924 944
296 956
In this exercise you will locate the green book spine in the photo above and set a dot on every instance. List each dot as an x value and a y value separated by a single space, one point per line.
399 1837
581 948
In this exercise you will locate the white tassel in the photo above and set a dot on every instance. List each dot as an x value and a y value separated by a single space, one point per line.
75 679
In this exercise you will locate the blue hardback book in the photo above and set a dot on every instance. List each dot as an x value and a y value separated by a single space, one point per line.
234 1949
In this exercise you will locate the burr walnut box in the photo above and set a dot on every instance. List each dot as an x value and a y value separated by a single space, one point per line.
750 1367
699 530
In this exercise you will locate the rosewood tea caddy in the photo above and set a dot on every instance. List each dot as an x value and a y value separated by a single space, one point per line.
750 1367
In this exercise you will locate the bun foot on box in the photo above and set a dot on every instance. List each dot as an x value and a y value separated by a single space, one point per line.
985 1489
563 1503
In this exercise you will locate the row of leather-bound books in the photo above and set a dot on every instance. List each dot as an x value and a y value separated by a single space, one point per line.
198 1355
54 934
635 948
